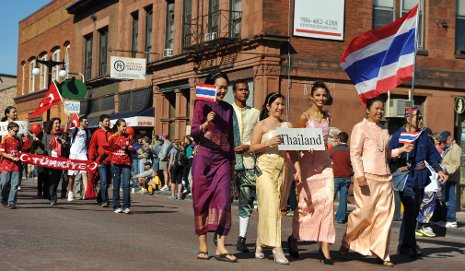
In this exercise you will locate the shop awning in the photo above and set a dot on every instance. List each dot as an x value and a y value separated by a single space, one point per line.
139 118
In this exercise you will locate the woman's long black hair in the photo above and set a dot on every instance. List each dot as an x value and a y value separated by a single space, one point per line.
270 98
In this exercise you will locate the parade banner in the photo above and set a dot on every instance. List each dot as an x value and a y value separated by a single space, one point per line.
301 139
23 127
58 163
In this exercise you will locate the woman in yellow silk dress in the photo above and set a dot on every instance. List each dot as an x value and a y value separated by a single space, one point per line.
270 176
369 225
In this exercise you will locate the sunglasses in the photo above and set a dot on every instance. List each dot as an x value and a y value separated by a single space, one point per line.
16 131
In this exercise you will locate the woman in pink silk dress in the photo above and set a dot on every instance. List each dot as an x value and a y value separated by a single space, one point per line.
369 225
212 129
313 219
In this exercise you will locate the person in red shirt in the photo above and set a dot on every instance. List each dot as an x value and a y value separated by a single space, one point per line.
120 145
97 153
342 174
10 165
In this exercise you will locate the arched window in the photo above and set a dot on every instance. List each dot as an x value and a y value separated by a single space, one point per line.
56 69
43 73
32 85
23 76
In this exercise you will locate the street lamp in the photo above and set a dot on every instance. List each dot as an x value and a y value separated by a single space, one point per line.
50 64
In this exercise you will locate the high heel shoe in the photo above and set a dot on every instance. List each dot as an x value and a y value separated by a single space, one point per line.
259 252
279 258
324 259
294 253
344 253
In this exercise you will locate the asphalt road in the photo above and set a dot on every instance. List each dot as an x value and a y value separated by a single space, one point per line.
159 235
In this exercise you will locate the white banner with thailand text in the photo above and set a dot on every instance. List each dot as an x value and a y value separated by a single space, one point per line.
301 139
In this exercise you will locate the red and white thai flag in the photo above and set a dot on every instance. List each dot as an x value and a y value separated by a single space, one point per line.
204 92
381 59
409 137
51 98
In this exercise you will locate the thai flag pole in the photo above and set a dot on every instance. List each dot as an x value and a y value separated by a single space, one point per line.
412 89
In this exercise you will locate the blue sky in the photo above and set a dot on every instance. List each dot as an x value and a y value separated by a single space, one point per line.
11 13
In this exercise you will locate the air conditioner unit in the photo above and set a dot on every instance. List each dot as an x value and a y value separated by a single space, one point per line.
210 36
396 108
168 53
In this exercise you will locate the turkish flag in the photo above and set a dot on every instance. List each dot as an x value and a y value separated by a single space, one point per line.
74 121
51 98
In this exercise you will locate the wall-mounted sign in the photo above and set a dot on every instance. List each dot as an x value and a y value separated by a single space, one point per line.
140 121
72 107
73 89
319 19
459 105
127 68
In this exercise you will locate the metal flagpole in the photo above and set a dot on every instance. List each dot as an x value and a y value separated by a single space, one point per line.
412 89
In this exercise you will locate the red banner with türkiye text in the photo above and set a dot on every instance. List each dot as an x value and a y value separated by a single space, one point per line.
58 163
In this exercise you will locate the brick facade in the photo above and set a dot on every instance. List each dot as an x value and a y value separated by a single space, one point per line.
7 91
260 55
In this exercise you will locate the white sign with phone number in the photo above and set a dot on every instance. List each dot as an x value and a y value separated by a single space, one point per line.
72 107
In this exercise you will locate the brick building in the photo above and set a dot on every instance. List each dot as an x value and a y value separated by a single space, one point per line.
253 40
45 34
7 91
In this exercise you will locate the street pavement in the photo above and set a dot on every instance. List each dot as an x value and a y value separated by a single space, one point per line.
159 235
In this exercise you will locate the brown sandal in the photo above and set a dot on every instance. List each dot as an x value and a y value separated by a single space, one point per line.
199 257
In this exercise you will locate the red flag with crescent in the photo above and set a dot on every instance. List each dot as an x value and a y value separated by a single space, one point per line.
74 121
51 98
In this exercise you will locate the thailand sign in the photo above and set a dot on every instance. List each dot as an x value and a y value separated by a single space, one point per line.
23 127
127 68
319 19
72 107
301 139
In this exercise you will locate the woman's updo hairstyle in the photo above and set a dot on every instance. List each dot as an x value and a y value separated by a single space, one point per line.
270 98
211 78
371 101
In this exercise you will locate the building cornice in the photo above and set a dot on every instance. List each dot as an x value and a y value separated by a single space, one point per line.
30 96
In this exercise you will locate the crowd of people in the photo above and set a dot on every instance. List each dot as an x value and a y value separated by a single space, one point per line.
236 143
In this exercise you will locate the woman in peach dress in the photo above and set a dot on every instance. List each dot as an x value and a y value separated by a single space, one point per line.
313 218
369 225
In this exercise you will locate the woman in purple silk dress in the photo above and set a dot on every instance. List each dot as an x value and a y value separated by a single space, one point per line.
212 130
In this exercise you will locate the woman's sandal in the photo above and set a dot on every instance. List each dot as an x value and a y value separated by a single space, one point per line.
224 258
200 257
388 264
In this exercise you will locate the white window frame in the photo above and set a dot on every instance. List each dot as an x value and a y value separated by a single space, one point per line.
23 79
56 68
378 7
43 73
421 36
67 54
32 83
